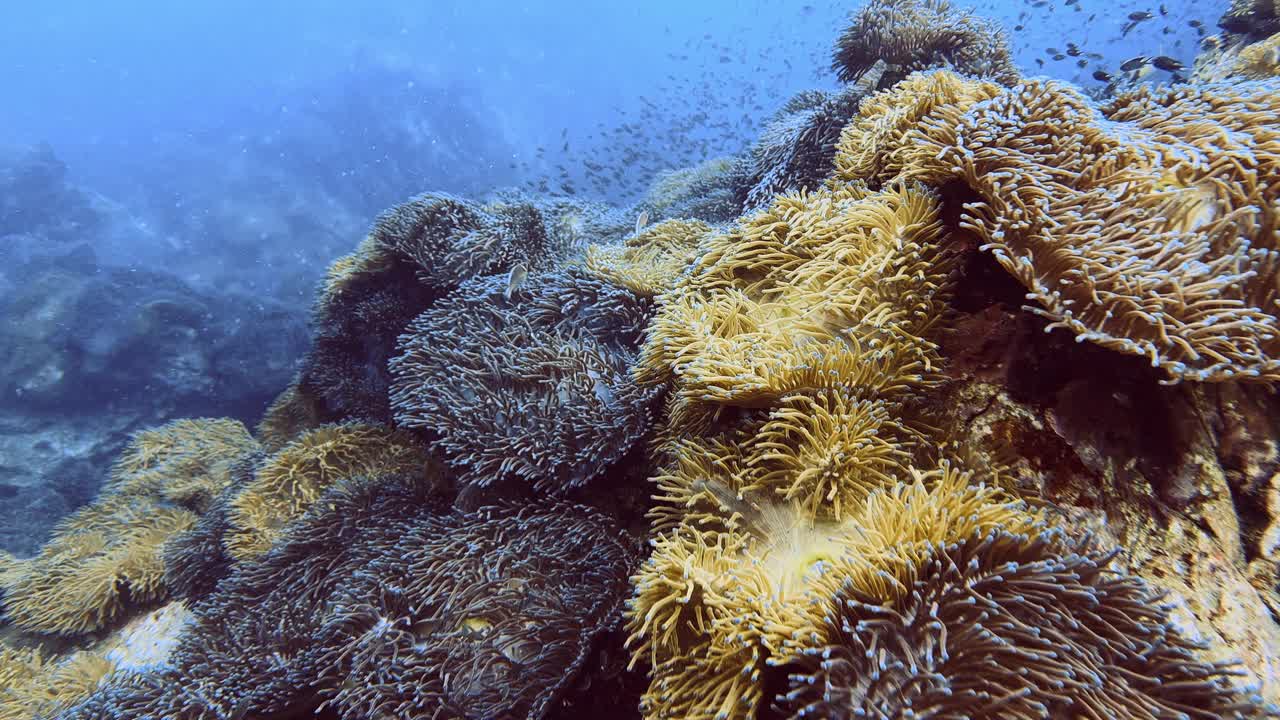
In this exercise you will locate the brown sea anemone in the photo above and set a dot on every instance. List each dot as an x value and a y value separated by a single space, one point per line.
1147 225
915 35
1001 625
531 385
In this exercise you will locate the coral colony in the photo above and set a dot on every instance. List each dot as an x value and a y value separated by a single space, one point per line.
548 460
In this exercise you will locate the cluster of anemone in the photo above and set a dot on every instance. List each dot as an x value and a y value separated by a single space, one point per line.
795 150
1000 625
286 483
914 35
791 348
382 602
936 596
648 262
1253 18
529 384
415 253
817 547
35 685
708 191
108 557
827 290
1147 225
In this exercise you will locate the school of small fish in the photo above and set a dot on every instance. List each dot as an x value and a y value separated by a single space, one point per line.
717 95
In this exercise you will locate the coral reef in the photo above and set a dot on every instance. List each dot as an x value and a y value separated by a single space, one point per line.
528 383
90 354
795 150
76 334
108 555
999 626
872 480
708 191
1255 18
382 603
37 199
648 262
914 35
285 484
1125 223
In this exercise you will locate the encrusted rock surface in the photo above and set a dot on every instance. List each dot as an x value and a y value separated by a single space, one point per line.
1183 478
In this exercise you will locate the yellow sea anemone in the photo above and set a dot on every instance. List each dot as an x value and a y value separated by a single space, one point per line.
286 483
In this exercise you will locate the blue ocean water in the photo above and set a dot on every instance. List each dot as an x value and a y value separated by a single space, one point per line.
216 121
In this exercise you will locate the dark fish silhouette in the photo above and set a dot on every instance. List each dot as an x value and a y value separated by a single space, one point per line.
1135 63
1167 64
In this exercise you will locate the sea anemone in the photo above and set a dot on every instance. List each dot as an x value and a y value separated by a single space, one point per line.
109 555
649 262
383 603
1004 625
715 611
530 383
708 191
832 289
1147 225
288 482
292 413
871 147
450 239
914 35
34 686
796 148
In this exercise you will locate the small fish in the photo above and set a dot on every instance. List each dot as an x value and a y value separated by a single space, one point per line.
1059 57
1168 64
641 221
515 279
599 388
1140 16
1163 9
1082 63
1102 76
1134 63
